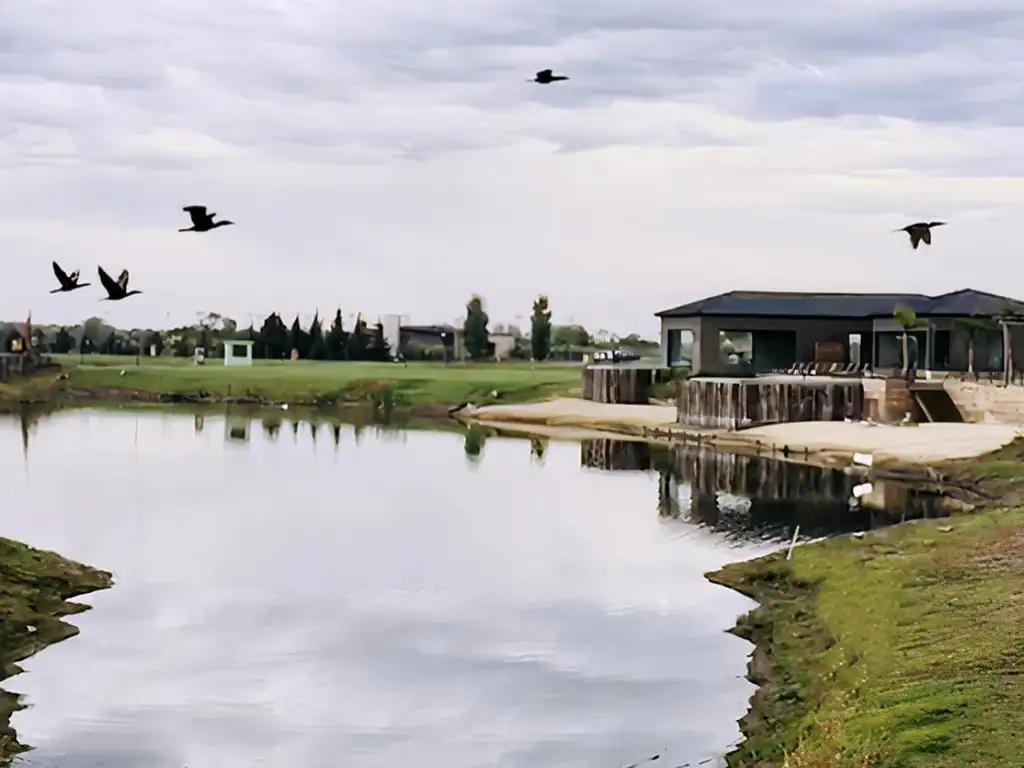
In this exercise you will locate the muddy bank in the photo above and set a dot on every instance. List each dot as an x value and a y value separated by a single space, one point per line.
822 442
35 589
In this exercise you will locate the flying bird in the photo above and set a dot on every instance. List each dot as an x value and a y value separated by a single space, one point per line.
67 282
201 220
116 290
545 76
921 231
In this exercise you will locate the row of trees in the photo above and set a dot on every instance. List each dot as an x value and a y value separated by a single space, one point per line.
544 336
273 340
276 341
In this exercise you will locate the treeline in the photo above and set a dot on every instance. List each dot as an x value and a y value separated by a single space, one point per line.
274 340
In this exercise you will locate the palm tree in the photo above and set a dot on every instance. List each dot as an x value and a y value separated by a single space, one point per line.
907 319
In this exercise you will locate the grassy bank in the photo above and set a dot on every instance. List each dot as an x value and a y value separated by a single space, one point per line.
900 649
34 589
301 382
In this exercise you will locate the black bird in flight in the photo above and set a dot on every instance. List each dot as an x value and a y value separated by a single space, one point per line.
116 290
921 231
67 282
201 220
545 76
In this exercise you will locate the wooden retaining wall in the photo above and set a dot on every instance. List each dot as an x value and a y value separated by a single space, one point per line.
740 403
617 384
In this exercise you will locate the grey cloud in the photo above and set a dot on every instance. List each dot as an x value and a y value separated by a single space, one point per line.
322 75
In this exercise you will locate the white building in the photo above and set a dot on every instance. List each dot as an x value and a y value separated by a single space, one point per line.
238 352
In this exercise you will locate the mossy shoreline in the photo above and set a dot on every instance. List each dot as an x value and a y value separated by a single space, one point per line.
35 589
900 648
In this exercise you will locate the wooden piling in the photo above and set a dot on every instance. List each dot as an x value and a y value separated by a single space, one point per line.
741 403
623 385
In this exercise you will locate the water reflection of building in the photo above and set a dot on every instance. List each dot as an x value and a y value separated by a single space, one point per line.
753 497
759 497
237 427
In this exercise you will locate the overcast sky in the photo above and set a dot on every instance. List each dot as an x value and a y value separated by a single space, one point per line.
391 157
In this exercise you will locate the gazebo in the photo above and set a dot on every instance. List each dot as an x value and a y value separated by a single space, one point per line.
238 351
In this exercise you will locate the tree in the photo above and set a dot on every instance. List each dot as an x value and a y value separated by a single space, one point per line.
317 345
474 329
298 339
355 345
318 350
907 319
336 338
540 329
95 330
275 337
570 336
62 342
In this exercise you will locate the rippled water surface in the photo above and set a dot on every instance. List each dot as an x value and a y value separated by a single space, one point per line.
297 596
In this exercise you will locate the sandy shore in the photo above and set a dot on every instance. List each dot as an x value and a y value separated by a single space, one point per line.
922 444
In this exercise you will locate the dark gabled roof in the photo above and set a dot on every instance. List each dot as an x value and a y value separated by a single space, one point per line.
851 306
968 301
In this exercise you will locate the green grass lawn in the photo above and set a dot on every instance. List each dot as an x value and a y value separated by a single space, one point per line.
305 381
34 586
904 649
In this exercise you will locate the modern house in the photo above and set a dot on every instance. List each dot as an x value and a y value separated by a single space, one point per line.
440 338
745 332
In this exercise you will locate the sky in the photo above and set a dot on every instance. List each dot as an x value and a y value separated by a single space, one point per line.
392 157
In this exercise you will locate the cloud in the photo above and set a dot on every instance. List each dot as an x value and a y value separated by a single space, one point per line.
392 157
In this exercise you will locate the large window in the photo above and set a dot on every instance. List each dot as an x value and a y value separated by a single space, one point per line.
240 350
680 348
736 348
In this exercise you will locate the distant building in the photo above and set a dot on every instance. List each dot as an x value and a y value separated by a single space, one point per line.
238 351
438 341
748 332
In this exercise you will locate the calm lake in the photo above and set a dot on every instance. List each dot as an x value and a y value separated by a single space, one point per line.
322 596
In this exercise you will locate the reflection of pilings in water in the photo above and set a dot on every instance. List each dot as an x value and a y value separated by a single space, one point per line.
668 495
756 477
752 497
615 455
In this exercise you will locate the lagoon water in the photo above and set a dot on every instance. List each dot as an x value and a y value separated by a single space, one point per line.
368 597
